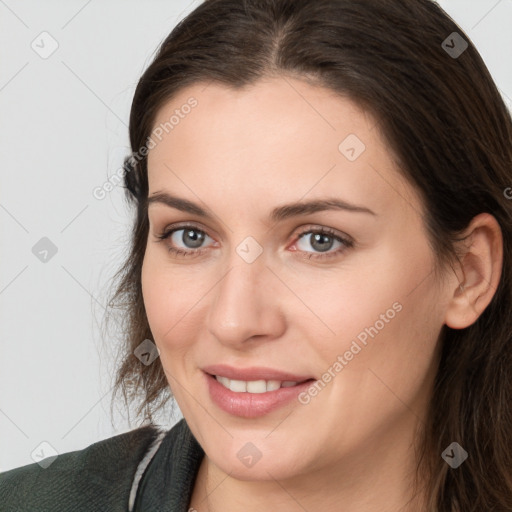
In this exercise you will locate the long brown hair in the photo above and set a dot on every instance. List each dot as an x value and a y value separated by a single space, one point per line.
451 134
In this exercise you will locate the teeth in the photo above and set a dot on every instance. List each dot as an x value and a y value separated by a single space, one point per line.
238 386
253 386
272 385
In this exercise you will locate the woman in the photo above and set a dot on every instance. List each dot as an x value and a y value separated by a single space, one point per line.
320 271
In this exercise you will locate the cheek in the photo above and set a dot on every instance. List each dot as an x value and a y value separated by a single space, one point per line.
380 314
358 298
174 300
166 300
166 304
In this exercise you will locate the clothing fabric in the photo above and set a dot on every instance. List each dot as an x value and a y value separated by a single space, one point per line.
145 470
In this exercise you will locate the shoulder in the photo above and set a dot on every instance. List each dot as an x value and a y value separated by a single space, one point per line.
98 477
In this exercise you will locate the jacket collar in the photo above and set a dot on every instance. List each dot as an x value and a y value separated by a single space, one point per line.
168 481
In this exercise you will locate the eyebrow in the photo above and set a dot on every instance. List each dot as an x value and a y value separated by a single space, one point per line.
279 213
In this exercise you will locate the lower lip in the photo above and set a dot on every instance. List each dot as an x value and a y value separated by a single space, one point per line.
252 405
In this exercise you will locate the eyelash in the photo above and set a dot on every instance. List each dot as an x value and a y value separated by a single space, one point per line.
347 243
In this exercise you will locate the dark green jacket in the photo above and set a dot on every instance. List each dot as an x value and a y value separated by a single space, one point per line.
156 467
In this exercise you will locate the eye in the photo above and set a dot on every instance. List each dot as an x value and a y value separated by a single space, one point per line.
191 236
322 240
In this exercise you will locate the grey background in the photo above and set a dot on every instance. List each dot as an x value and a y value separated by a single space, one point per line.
63 132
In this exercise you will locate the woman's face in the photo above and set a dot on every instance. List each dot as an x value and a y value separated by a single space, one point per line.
256 286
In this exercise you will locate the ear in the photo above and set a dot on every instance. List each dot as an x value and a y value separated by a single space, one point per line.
481 266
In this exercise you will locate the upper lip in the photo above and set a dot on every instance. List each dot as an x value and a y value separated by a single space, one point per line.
253 373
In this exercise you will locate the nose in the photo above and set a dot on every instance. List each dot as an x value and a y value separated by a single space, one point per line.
247 305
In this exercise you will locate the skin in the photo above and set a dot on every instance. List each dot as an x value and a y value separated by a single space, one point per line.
239 154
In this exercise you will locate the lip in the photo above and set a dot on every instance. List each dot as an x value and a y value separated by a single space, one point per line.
253 405
253 373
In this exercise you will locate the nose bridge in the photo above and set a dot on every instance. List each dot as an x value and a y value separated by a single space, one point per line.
243 306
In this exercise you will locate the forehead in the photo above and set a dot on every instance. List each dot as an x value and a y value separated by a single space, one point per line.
277 137
268 112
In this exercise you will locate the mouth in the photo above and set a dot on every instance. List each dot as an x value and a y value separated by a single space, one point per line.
254 397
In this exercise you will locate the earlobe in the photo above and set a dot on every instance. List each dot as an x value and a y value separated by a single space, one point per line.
481 267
